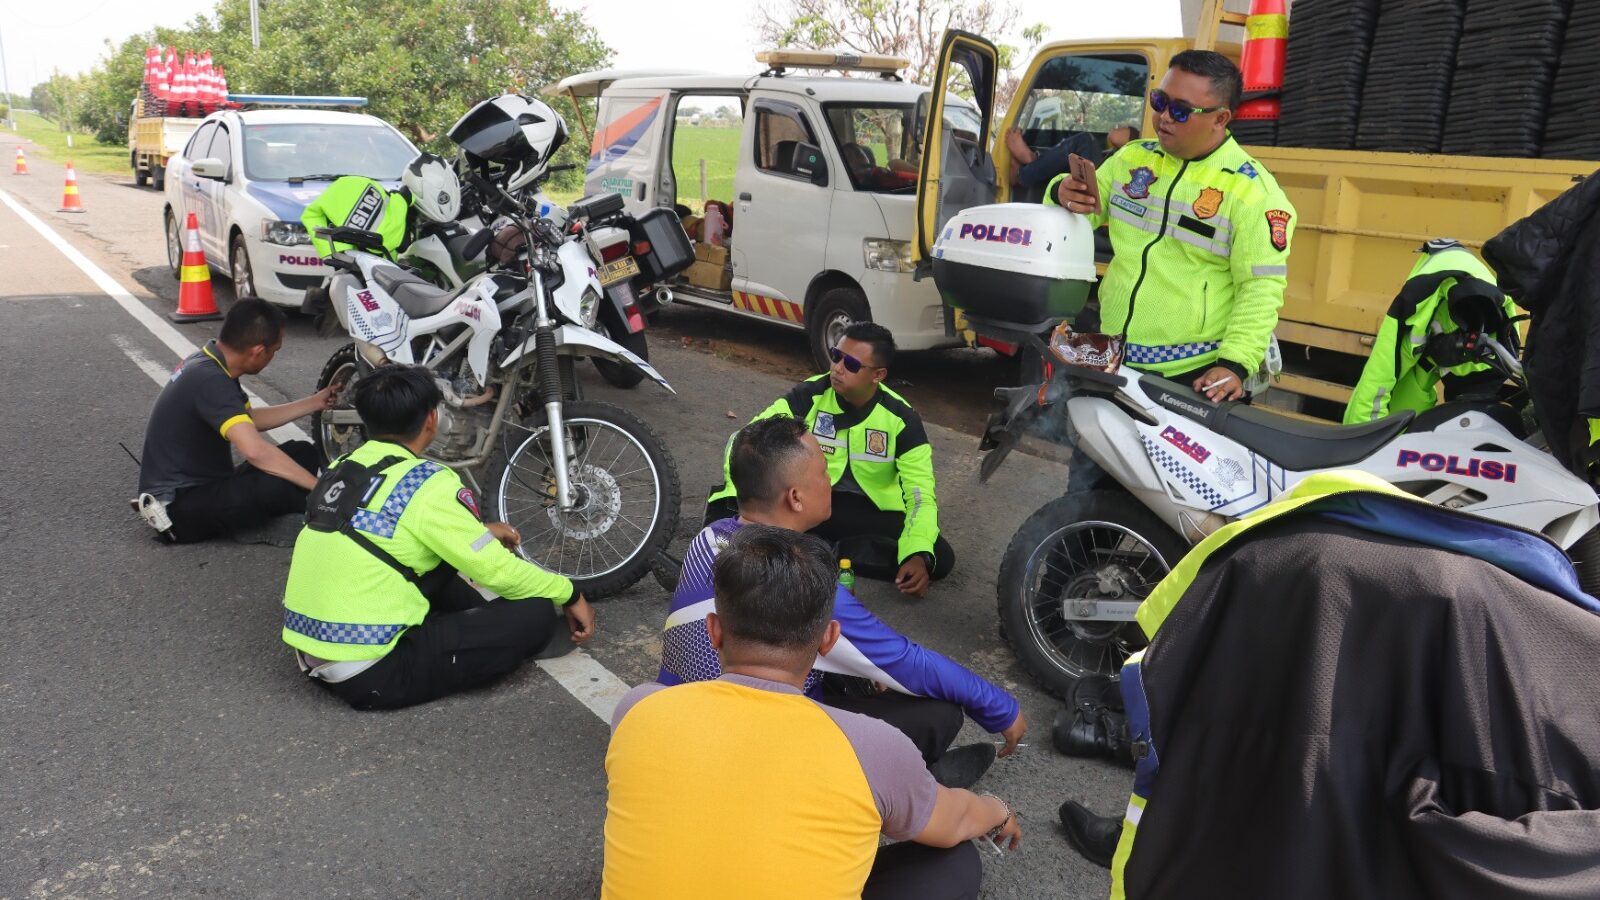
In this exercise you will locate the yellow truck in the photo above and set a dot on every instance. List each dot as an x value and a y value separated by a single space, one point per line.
1362 215
152 140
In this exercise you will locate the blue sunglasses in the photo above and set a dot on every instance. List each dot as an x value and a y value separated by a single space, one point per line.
1161 102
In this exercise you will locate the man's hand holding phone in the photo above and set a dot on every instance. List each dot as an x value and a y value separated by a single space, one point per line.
1079 192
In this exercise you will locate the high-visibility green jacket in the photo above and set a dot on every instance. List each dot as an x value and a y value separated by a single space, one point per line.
1396 375
1201 256
357 202
881 450
344 603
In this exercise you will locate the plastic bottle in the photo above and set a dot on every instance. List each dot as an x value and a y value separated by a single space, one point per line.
847 576
713 225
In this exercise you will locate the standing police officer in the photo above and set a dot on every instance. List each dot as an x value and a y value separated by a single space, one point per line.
374 608
1200 232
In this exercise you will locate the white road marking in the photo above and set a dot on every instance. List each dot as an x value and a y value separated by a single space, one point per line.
579 673
152 323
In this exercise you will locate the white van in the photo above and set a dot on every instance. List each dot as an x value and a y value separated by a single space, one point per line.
823 191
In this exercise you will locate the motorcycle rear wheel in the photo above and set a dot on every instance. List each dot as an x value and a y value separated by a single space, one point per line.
1075 546
333 439
627 502
621 374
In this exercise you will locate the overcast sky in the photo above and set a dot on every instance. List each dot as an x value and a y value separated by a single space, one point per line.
41 36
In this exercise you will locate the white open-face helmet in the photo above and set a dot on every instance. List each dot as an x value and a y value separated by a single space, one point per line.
516 134
435 191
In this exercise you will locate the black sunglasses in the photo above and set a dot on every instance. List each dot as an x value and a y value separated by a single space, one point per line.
851 364
1161 102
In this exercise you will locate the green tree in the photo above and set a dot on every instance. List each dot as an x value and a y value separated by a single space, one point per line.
908 28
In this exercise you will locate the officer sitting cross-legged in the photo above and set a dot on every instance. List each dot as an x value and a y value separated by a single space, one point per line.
374 608
885 513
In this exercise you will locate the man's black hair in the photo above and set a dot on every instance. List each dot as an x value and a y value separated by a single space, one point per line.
763 453
251 322
394 401
1133 132
881 339
1226 82
775 587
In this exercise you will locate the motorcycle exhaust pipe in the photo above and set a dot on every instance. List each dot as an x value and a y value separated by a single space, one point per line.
663 295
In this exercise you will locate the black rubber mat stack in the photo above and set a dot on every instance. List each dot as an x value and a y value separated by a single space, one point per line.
1324 66
1407 88
1505 67
1572 125
1255 132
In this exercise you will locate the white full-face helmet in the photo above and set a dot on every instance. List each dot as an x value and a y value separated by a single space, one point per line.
515 134
435 191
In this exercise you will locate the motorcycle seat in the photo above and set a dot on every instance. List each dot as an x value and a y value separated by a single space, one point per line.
1295 444
418 296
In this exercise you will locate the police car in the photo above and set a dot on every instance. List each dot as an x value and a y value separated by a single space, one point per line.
248 174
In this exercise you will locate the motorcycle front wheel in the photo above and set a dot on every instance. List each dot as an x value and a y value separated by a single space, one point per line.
1091 546
625 497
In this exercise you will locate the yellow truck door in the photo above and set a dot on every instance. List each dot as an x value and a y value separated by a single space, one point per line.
957 170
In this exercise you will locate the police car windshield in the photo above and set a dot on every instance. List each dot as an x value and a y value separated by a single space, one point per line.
880 145
281 152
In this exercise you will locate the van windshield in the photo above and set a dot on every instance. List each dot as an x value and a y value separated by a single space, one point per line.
279 152
880 144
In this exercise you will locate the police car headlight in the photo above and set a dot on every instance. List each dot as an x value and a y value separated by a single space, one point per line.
589 307
286 233
886 255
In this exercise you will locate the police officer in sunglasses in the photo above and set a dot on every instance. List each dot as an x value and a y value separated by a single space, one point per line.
1200 231
885 514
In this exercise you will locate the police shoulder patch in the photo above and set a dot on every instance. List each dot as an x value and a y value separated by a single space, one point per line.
1278 222
466 498
1248 170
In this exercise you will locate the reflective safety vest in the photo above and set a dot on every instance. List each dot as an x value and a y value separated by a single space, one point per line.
1397 376
1201 256
356 202
882 450
344 603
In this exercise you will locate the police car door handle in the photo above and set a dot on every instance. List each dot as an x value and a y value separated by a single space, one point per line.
745 196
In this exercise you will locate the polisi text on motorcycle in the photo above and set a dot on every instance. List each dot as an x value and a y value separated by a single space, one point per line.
1487 469
1001 234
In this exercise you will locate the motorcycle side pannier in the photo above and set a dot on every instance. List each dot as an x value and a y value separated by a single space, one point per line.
1021 266
670 251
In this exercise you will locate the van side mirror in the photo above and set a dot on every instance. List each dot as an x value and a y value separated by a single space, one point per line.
210 167
808 163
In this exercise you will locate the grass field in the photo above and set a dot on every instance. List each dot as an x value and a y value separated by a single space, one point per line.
719 147
86 154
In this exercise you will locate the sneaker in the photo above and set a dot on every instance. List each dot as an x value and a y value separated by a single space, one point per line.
1095 837
963 766
154 514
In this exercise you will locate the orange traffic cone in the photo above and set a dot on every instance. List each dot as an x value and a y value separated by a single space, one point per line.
69 194
195 303
22 163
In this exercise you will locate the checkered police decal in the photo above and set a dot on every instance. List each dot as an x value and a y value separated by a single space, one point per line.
383 522
1142 355
1190 480
340 632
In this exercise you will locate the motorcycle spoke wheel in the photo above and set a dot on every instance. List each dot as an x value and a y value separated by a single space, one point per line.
617 499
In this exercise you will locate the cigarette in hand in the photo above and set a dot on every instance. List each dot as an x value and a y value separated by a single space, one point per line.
1219 382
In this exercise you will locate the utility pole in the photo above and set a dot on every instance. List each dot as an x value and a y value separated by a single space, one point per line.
5 81
255 24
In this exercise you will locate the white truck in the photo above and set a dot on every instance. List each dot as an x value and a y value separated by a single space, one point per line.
824 189
152 140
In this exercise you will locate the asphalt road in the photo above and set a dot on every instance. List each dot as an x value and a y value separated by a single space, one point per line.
155 737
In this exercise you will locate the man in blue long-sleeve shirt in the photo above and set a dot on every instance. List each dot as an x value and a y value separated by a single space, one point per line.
781 478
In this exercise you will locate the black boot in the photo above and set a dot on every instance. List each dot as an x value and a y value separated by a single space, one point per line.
1093 836
963 766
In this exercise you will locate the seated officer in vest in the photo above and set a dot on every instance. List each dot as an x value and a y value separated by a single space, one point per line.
1200 232
374 607
885 513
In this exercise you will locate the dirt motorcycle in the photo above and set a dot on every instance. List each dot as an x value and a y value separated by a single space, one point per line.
591 487
1177 467
634 256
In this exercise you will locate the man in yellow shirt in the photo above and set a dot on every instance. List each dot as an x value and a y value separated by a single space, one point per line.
743 787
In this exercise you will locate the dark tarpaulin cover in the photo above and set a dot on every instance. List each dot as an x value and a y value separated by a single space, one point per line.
1341 711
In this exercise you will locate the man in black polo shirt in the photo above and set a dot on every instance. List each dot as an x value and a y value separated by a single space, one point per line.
189 488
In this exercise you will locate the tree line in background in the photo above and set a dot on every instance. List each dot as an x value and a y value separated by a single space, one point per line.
419 63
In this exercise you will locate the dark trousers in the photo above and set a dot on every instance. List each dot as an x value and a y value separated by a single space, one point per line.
919 872
863 534
465 642
246 499
930 724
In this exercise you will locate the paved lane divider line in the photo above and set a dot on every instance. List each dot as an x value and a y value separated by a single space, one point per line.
163 330
580 674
